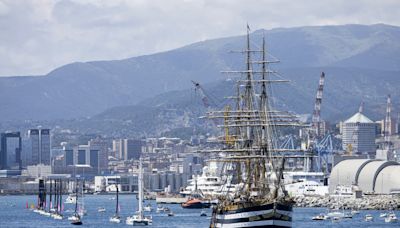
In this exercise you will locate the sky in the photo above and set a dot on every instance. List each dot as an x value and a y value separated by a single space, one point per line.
37 36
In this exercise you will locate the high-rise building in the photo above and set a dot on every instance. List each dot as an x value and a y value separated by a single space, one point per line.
10 153
40 139
133 149
127 149
359 134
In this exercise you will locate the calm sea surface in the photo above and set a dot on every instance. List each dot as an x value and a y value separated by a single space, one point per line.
13 213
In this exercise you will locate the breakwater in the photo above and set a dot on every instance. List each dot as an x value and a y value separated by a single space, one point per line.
368 202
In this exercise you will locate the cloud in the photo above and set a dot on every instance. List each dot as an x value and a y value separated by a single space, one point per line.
40 35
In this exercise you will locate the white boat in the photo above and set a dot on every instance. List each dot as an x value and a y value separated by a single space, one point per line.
383 215
391 218
160 209
355 212
71 199
101 209
170 214
115 219
147 208
76 219
73 217
209 184
57 216
368 218
320 217
139 218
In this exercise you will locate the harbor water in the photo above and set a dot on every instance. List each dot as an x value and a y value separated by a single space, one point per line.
13 213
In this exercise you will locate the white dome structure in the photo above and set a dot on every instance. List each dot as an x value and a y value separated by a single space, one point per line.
373 176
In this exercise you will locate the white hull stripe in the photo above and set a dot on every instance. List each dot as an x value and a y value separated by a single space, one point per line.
256 223
252 213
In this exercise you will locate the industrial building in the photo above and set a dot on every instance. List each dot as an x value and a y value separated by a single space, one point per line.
370 175
359 134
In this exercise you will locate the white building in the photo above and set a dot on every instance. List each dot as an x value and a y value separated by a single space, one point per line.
359 134
126 183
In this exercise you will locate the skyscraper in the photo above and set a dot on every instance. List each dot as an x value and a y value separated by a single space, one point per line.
127 149
10 153
40 139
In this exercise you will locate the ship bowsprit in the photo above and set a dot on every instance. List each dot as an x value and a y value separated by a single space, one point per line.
273 214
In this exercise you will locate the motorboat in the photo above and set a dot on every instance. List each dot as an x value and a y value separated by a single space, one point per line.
101 209
71 199
147 208
57 216
391 217
383 215
368 218
320 217
160 209
170 214
195 204
203 213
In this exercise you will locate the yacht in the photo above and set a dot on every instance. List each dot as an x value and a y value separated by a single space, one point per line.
300 183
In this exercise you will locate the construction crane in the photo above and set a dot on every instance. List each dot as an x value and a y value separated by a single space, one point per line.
316 123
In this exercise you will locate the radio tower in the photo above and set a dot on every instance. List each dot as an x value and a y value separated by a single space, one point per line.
316 117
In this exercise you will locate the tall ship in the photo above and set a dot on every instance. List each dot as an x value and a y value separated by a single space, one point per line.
248 150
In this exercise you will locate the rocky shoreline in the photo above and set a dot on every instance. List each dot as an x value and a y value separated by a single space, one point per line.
369 202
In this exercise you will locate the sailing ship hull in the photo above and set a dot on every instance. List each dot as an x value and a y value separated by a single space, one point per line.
265 215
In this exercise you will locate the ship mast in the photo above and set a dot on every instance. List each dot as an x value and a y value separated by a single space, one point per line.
254 121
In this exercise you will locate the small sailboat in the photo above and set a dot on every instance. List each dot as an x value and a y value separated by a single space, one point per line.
76 218
368 218
139 218
391 217
116 218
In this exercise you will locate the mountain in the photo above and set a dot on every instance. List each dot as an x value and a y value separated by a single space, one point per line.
361 62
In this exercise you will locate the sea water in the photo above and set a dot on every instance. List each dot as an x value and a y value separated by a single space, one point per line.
13 213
